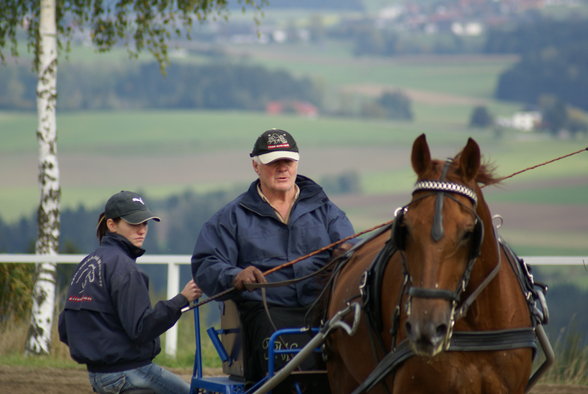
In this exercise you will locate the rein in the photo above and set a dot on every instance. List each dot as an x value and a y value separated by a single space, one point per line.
289 263
423 185
544 163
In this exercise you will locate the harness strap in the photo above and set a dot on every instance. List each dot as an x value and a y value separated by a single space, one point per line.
437 230
371 288
534 291
388 364
461 341
419 292
471 341
463 309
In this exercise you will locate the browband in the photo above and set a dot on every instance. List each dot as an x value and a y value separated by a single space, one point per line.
451 187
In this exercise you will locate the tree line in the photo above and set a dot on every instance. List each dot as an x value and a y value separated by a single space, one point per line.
554 62
183 214
211 86
215 86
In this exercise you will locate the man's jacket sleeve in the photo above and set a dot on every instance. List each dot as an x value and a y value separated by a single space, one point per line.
214 261
339 225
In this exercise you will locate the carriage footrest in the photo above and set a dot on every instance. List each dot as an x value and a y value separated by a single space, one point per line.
216 384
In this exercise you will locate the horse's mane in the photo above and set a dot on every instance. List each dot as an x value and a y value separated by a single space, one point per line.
486 174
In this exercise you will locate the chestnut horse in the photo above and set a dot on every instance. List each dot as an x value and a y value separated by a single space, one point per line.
442 307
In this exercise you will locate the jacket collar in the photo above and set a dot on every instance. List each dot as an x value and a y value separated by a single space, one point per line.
113 239
311 194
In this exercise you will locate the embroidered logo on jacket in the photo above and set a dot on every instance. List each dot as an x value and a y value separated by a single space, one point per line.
89 273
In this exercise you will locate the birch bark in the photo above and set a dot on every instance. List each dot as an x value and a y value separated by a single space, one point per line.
39 336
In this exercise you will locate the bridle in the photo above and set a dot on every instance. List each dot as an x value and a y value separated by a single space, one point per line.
441 189
458 341
488 340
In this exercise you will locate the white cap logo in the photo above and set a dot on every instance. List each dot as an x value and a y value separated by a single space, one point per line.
277 140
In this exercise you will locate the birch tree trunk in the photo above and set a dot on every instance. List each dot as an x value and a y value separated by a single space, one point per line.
39 335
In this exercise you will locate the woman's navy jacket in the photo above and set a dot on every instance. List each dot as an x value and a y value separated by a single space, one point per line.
247 232
108 322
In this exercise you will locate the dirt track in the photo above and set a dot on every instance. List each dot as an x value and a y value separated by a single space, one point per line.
29 380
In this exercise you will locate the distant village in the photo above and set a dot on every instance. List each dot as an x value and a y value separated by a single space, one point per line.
461 18
465 18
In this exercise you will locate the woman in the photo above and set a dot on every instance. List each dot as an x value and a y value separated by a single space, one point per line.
108 322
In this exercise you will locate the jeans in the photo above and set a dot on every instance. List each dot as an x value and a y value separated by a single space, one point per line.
149 377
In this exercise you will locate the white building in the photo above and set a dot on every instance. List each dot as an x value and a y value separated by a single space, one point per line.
524 120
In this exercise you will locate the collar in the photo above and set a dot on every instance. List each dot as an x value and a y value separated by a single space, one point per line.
264 198
114 239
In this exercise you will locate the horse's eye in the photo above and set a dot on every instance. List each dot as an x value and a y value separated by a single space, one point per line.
468 235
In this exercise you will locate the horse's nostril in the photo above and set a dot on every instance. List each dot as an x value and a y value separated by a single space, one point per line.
441 330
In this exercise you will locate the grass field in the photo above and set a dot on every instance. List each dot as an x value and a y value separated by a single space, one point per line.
465 76
163 153
167 152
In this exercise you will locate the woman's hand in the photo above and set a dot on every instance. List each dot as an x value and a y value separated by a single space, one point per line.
191 291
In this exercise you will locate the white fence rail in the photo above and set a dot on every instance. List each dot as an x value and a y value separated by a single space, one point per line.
173 263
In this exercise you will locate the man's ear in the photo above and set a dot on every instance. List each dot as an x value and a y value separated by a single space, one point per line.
255 166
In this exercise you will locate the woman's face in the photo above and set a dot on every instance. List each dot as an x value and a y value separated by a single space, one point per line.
135 233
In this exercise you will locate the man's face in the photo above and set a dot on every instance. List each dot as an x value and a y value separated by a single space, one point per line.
278 176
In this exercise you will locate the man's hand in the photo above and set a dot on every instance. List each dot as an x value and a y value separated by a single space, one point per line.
191 291
341 249
248 275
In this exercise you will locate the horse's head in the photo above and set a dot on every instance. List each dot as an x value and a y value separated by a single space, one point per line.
439 234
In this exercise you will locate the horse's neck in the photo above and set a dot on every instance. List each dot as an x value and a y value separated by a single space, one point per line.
501 304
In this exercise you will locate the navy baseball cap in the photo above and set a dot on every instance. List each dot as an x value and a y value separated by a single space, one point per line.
128 206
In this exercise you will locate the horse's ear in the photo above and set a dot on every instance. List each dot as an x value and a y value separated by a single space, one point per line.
469 160
421 155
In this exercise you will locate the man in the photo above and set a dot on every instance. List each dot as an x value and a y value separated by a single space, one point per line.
282 216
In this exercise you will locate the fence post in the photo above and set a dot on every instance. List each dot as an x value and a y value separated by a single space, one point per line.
173 288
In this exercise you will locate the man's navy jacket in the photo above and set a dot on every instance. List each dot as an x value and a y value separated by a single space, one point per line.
247 232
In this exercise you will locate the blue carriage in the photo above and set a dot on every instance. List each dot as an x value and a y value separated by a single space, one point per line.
228 343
